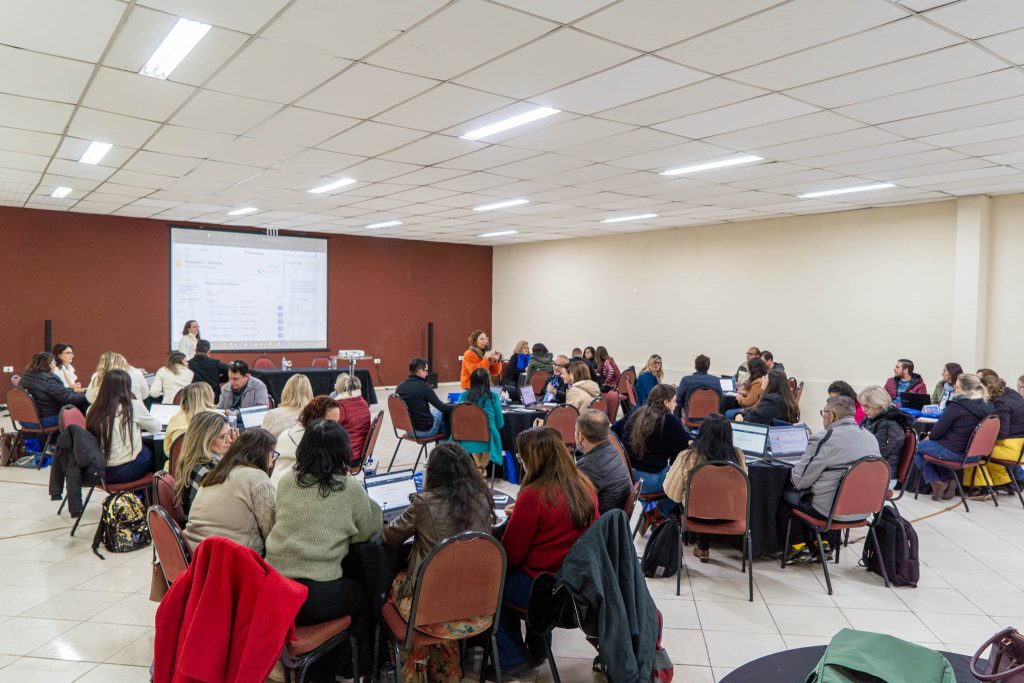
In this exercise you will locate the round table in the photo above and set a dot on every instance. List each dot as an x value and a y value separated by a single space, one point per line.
516 420
792 666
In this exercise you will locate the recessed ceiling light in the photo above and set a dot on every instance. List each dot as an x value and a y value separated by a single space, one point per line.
501 233
242 211
501 205
95 152
185 35
60 192
712 165
638 217
511 122
383 224
846 190
333 185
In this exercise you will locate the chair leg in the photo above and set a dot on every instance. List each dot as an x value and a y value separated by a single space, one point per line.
394 455
551 659
846 538
750 561
839 546
824 562
682 561
917 480
878 552
354 647
988 482
375 668
85 504
1014 484
62 504
785 546
423 449
960 490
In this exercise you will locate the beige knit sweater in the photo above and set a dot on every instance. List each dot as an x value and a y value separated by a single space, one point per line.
240 508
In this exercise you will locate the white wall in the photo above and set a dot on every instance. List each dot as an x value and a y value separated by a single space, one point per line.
1005 342
834 296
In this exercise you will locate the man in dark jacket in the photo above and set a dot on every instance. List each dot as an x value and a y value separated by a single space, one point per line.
600 461
425 408
206 369
904 379
698 380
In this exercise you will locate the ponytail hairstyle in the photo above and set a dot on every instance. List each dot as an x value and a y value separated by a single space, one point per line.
347 384
969 386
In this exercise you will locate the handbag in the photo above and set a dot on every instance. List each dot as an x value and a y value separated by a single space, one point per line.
1006 663
158 584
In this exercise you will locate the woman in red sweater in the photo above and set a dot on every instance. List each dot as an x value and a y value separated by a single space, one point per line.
556 504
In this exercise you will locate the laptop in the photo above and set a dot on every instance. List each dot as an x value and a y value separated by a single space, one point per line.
728 384
164 412
750 438
252 417
787 443
391 492
914 401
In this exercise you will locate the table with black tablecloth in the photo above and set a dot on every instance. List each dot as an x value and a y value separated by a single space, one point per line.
516 421
321 379
767 524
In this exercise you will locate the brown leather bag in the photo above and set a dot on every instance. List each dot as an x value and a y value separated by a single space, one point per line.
11 447
1006 662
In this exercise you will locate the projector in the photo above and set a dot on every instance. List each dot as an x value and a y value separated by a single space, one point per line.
351 354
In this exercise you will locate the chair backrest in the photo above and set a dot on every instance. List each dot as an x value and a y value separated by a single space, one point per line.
614 441
399 412
178 396
469 423
862 488
630 374
538 381
172 457
792 384
799 391
170 545
70 415
563 420
371 440
599 403
631 498
631 392
21 407
473 561
718 491
702 403
611 399
321 362
163 495
983 440
262 363
907 456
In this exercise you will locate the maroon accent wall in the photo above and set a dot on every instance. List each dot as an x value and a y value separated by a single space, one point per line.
104 282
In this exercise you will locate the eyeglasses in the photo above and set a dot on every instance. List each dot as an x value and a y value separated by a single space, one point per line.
823 413
274 455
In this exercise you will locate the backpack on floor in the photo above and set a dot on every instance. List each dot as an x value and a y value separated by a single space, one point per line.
123 526
661 556
898 541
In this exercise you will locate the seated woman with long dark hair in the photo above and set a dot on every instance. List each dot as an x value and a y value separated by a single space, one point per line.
713 444
117 420
321 512
454 499
556 504
652 438
777 402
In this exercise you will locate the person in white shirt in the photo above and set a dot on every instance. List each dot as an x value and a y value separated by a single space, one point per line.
111 360
117 420
189 338
171 378
65 370
296 394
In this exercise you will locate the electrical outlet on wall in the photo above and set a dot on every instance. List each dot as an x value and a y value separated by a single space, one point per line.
376 361
8 368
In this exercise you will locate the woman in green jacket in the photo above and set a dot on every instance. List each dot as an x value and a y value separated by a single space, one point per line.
480 393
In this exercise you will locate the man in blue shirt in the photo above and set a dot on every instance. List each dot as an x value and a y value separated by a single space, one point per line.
698 379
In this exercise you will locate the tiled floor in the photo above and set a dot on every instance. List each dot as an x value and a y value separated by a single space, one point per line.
66 615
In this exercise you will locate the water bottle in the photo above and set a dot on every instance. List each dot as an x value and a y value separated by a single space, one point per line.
284 363
232 419
418 478
370 468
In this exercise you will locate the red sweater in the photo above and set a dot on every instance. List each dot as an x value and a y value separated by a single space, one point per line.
539 535
225 618
355 418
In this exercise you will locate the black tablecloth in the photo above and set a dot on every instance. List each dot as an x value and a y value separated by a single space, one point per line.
322 380
516 421
792 666
767 530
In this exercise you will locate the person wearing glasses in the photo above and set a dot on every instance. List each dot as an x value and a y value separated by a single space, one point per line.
242 390
560 381
650 377
236 499
743 371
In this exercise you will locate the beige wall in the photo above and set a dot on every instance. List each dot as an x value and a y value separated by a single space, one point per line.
839 295
1005 344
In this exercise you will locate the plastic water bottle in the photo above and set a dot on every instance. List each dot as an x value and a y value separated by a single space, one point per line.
284 363
370 468
232 419
418 478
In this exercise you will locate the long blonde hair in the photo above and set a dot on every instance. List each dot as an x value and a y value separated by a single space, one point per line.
297 392
658 372
196 398
203 428
971 387
110 360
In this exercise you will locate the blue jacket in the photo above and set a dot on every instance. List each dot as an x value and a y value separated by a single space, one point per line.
644 383
495 421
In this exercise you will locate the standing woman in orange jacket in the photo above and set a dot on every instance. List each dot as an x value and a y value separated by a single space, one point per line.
478 355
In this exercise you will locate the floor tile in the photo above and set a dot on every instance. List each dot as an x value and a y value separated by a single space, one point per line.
116 673
138 653
21 635
72 604
15 600
727 649
743 617
941 600
32 670
91 642
901 624
808 621
962 628
138 610
685 646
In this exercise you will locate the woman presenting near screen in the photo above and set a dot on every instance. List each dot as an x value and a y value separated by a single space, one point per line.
479 355
189 338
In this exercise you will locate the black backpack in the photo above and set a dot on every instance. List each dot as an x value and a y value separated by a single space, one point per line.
661 555
123 526
898 541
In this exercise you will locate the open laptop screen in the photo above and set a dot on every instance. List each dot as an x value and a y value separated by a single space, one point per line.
527 395
728 384
253 417
163 412
750 438
788 440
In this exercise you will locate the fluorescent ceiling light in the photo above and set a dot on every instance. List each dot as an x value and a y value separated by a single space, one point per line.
846 190
512 122
383 224
501 205
175 47
712 165
60 192
333 185
501 233
622 219
95 152
242 211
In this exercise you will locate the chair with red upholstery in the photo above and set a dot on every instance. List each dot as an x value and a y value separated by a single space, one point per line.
702 403
861 494
401 420
563 420
314 641
1010 466
23 411
979 450
611 399
599 404
70 415
168 543
469 423
369 445
631 499
175 453
717 501
538 381
472 561
614 441
163 495
263 363
321 362
177 398
799 391
627 393
906 462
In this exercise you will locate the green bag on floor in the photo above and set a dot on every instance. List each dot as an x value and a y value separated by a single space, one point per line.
865 657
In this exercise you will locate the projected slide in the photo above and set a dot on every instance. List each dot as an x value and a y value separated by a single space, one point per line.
248 291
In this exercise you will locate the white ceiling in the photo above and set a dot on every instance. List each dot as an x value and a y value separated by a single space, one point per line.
281 94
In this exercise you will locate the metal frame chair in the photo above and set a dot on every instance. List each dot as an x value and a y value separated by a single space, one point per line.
1009 466
563 420
168 543
370 444
469 423
980 446
401 419
538 381
321 362
702 402
314 641
599 404
263 363
163 495
22 410
612 399
906 463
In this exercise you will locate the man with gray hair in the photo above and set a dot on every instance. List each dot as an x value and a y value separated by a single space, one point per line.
600 460
840 444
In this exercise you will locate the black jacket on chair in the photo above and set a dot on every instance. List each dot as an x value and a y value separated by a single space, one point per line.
49 393
78 461
890 428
